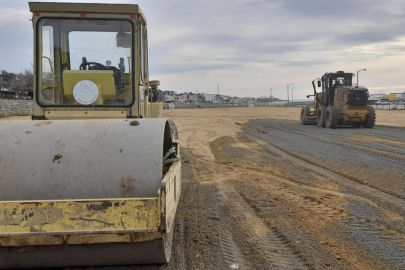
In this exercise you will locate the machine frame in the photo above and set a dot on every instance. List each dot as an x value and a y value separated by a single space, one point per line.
31 229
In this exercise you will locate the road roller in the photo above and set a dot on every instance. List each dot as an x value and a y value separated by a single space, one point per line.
95 177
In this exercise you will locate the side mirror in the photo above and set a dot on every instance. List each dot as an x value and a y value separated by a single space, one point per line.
319 84
154 84
124 40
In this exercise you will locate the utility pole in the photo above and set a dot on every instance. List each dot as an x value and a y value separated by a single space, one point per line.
292 92
288 93
358 76
271 96
218 88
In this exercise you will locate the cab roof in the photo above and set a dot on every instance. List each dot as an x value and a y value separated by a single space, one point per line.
85 8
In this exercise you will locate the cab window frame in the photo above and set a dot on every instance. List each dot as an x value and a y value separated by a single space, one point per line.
38 53
144 52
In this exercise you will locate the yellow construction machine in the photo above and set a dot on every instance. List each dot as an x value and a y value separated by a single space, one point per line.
339 103
91 180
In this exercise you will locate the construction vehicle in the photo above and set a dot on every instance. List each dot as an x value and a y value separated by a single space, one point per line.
91 180
339 103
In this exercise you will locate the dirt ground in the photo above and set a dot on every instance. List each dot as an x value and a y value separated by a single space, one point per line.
394 118
261 191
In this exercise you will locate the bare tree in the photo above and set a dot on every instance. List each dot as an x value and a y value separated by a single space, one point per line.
23 81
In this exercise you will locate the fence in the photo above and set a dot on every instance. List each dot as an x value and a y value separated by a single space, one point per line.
209 105
390 106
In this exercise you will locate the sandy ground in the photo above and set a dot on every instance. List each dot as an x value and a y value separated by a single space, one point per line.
273 194
384 117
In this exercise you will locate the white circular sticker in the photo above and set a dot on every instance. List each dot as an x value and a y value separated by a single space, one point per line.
85 92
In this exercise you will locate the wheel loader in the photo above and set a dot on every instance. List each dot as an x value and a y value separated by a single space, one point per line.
339 103
95 177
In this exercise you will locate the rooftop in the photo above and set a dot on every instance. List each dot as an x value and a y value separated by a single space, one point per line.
84 8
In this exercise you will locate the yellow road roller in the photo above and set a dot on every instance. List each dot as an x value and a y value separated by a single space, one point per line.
95 178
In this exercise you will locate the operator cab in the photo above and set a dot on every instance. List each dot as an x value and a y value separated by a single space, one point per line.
330 81
337 87
85 62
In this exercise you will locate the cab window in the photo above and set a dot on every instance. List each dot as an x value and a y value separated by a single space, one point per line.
85 62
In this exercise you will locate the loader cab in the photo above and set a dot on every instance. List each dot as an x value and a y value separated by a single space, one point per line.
331 81
90 58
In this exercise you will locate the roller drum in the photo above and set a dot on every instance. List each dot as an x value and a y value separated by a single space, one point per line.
84 159
81 159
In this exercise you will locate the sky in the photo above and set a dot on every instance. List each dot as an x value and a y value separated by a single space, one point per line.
249 46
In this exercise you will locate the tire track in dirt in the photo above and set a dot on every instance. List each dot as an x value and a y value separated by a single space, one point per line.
377 236
346 176
230 251
273 246
388 244
392 156
232 257
379 233
329 212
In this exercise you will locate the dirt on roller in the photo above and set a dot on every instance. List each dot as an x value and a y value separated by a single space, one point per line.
261 191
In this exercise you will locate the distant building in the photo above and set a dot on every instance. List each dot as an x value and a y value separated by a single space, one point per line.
170 93
234 100
169 98
185 97
192 98
210 98
181 98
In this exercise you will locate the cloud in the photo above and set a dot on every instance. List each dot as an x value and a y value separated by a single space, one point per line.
249 46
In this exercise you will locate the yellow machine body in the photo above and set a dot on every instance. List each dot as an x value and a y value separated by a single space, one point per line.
102 78
339 103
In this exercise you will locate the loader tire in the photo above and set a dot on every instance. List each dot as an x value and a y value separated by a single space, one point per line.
320 116
305 111
331 117
370 121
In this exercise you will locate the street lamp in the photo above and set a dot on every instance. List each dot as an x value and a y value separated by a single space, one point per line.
271 94
358 76
288 92
292 95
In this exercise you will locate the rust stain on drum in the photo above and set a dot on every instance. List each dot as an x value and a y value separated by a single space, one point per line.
47 123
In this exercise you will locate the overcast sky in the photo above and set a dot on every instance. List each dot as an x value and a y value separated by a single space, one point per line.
249 46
